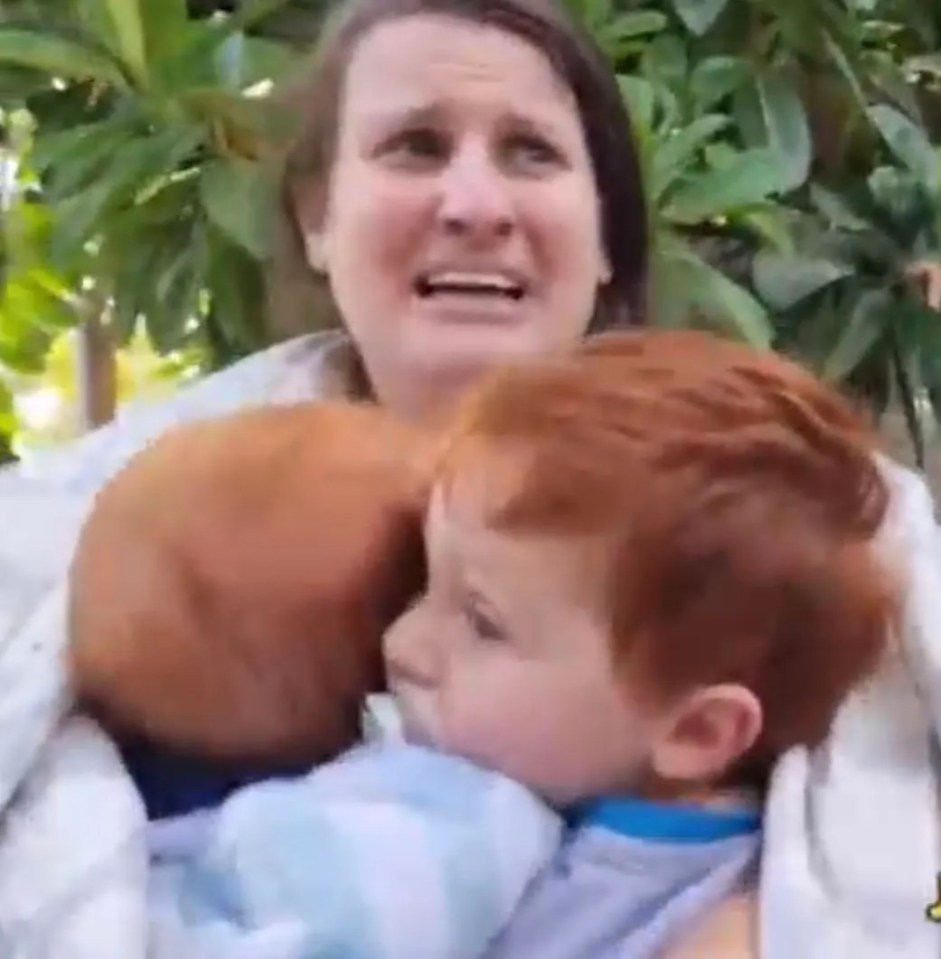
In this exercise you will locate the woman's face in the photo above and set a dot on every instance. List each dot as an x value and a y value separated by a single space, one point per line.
462 221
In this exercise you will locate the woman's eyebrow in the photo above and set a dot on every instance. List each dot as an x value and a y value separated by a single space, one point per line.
530 121
404 114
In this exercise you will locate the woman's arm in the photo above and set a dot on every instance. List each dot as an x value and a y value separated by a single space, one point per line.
730 932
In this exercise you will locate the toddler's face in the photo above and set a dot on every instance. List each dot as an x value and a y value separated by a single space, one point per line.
506 658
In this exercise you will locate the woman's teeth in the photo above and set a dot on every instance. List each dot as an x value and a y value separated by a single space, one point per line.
483 284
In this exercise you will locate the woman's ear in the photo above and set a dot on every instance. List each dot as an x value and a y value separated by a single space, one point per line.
316 250
706 733
310 209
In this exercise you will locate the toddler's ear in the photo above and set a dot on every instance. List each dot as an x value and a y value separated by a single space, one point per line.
706 733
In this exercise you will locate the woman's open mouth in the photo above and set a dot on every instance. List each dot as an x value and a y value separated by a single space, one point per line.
471 288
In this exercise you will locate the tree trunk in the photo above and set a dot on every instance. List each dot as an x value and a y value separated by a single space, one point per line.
97 374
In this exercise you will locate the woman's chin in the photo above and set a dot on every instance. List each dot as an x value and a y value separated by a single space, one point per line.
460 354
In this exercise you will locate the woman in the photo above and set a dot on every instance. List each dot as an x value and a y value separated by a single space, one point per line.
465 182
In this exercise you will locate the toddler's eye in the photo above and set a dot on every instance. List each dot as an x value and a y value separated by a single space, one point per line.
484 625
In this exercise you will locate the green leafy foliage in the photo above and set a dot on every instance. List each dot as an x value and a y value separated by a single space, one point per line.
790 146
148 153
793 174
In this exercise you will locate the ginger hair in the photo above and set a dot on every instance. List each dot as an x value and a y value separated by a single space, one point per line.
232 584
742 497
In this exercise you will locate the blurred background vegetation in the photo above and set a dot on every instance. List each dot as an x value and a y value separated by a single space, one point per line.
792 156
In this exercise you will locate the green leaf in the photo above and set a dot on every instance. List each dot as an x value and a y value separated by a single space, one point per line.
251 12
129 32
142 258
640 95
19 83
865 326
75 221
910 145
57 56
94 21
596 12
786 126
896 193
141 164
891 78
910 389
665 60
165 26
23 343
30 298
782 281
8 422
699 15
771 223
698 294
836 210
263 60
132 290
203 38
177 299
640 23
615 35
237 295
91 212
173 268
751 178
74 159
228 59
237 198
676 151
715 78
720 154
928 332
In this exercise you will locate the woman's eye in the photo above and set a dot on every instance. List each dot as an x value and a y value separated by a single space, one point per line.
483 625
419 144
533 151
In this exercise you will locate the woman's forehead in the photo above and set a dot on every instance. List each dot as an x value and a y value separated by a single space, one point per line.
401 64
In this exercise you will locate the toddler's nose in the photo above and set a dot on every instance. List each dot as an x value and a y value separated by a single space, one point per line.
410 650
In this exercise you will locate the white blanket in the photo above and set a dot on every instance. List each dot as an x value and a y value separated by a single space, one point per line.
352 860
73 854
853 829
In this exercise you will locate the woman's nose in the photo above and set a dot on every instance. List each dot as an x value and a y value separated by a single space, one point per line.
476 205
410 651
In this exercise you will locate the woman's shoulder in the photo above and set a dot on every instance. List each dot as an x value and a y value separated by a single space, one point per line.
729 932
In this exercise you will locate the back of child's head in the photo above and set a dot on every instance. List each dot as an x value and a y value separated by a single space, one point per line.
742 498
231 587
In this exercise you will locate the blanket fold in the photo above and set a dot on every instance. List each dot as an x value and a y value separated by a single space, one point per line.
853 828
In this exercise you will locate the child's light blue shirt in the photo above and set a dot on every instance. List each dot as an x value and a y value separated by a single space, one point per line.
631 880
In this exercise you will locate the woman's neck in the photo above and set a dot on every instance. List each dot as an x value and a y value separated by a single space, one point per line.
426 404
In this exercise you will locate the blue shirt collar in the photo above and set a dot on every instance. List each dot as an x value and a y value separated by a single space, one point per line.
666 822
